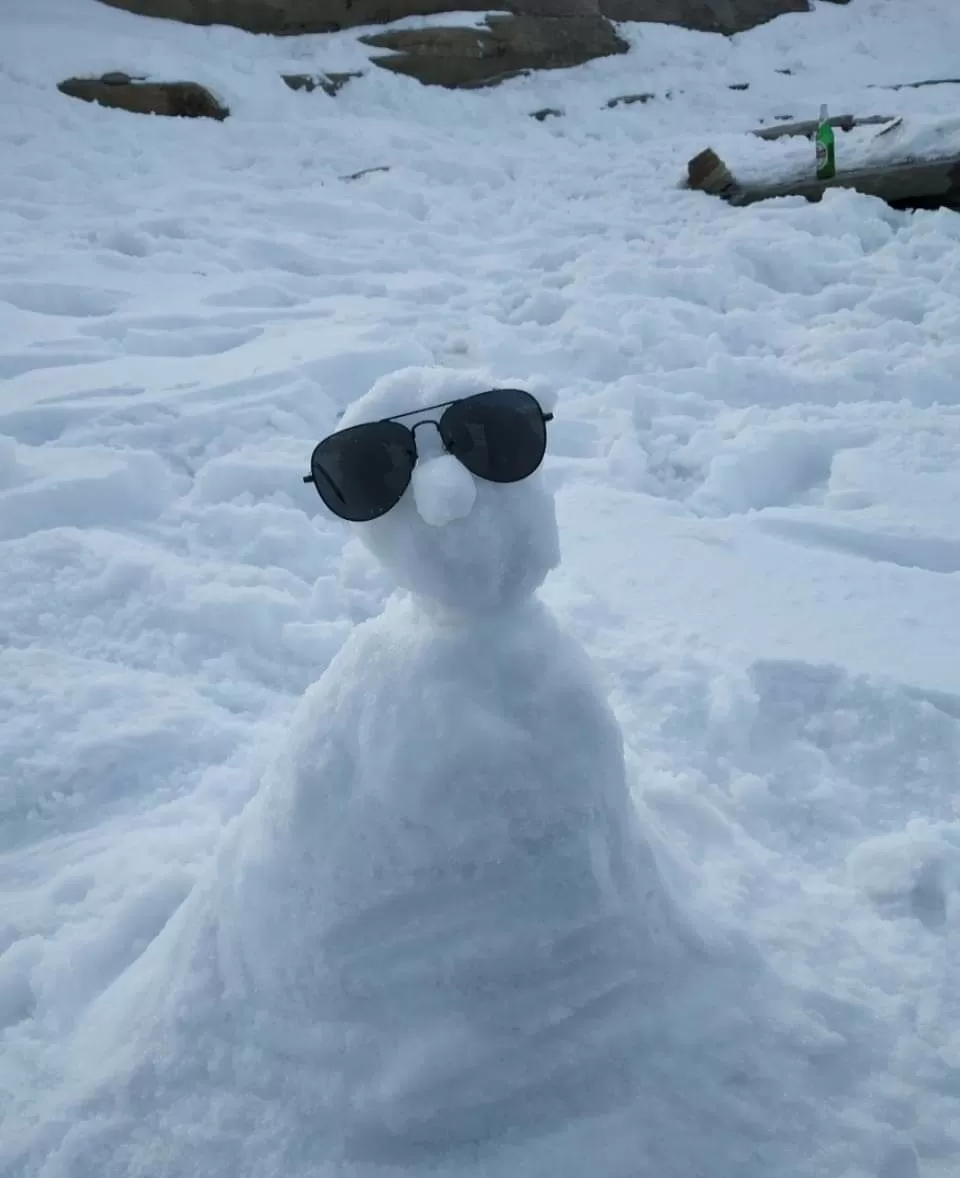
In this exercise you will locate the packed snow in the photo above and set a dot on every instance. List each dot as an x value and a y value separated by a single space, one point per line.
601 823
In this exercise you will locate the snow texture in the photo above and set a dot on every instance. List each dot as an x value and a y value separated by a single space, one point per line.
410 848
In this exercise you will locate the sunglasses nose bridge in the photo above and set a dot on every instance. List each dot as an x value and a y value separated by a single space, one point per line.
436 425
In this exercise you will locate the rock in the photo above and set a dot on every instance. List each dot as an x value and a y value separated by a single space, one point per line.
554 7
322 16
630 99
294 16
331 83
461 58
178 99
117 78
546 112
711 16
438 42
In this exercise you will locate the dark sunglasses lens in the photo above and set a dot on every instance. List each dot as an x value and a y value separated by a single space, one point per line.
361 472
499 435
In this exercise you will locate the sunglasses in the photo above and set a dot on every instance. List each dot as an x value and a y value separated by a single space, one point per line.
360 473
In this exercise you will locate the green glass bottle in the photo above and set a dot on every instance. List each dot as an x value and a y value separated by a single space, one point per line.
826 148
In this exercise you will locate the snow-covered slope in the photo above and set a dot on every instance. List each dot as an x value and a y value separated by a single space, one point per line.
754 458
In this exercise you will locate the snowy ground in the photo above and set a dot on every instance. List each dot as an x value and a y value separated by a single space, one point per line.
754 456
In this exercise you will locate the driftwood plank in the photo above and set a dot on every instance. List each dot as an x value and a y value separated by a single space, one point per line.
912 184
809 126
917 85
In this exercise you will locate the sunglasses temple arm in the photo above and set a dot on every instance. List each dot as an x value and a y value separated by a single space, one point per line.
308 478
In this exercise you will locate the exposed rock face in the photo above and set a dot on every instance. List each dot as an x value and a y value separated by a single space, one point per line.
713 16
295 16
539 34
330 83
177 99
320 16
460 58
629 100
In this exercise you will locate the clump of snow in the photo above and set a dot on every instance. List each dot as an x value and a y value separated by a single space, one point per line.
11 470
441 491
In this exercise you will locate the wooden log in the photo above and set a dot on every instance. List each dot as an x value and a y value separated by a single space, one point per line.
918 184
933 183
707 172
809 126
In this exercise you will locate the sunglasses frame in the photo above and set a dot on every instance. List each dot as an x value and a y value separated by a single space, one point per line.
545 417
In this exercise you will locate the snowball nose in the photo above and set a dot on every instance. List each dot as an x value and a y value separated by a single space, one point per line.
443 490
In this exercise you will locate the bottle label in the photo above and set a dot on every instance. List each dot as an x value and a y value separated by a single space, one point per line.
821 153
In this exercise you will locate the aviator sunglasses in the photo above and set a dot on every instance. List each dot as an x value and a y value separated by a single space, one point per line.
361 472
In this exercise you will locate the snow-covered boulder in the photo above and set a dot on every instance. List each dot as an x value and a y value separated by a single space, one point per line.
712 16
508 45
140 96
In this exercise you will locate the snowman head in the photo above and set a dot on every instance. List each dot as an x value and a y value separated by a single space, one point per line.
466 542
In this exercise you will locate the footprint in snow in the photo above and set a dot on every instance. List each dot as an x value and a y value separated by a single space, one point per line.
772 469
176 337
253 298
60 298
932 554
20 363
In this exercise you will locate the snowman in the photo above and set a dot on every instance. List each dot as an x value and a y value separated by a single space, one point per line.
437 941
444 869
436 936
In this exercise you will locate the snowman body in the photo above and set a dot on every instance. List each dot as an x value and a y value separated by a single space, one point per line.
446 872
